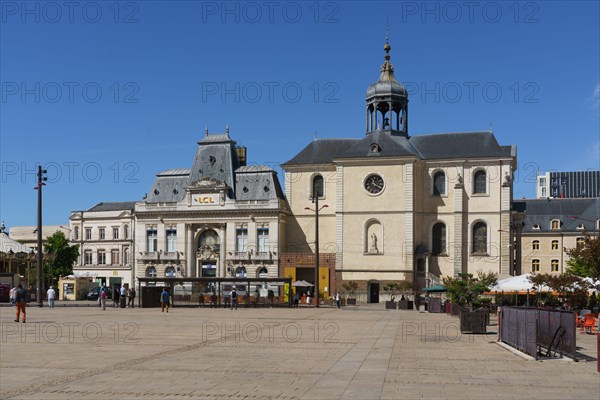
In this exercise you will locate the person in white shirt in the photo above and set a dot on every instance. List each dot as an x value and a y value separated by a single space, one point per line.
51 295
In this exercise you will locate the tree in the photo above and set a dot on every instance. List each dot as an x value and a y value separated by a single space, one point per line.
538 281
466 290
585 257
62 256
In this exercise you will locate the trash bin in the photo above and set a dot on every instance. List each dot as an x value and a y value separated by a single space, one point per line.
122 301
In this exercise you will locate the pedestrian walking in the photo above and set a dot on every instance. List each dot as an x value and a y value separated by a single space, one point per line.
337 299
13 296
51 294
116 297
164 300
296 299
131 298
123 294
21 303
256 297
234 302
102 297
308 298
271 296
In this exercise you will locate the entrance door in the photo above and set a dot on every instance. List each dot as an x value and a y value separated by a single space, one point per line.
373 292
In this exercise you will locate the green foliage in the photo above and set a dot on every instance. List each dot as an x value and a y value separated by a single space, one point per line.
61 257
585 257
592 301
466 290
570 288
350 287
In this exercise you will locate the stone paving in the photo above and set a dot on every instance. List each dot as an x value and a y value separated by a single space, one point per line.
362 352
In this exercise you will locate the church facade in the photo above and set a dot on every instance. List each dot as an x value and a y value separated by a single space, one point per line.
402 207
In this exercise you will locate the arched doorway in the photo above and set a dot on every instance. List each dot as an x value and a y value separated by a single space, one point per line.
373 291
208 254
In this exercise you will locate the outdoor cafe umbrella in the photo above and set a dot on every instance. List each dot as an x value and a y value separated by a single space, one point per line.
518 283
301 284
435 289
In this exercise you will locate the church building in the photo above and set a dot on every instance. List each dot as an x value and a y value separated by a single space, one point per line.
399 207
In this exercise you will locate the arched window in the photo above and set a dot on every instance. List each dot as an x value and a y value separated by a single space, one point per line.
151 272
317 186
554 265
263 272
480 238
535 245
580 242
170 272
479 182
76 233
209 238
438 239
535 265
555 224
439 183
555 245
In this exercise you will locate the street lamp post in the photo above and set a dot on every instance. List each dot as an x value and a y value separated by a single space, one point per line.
41 178
315 200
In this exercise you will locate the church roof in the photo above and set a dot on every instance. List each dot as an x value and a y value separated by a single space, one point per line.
425 147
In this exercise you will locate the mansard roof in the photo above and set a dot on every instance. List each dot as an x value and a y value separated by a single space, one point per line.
540 212
425 147
114 206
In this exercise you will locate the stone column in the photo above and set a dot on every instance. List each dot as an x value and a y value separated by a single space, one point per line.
222 266
191 253
458 224
409 221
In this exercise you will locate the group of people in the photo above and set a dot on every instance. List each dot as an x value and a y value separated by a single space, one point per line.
298 296
121 295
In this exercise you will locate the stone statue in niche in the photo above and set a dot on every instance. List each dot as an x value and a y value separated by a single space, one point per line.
373 247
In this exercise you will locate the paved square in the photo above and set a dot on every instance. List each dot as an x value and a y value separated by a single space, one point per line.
362 352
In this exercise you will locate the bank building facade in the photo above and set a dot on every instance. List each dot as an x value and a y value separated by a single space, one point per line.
219 218
400 207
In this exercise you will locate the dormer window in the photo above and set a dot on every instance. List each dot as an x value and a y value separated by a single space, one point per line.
555 224
536 226
580 227
375 148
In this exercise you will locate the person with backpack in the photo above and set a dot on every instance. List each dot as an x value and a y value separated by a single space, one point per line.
233 299
21 302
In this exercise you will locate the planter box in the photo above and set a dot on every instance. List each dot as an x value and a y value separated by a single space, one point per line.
474 321
405 305
390 305
351 302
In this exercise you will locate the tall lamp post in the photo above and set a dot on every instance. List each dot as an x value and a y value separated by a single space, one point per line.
315 200
41 179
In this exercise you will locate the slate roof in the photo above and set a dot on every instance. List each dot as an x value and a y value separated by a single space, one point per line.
542 211
426 147
114 206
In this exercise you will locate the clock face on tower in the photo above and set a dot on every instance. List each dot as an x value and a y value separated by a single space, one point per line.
374 184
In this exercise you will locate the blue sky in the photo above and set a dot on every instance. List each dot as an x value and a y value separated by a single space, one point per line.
107 94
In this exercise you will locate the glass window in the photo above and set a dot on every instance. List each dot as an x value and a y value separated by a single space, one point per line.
535 265
580 242
88 233
152 240
555 245
317 187
263 239
241 240
114 256
554 265
439 183
101 257
439 239
87 257
170 272
480 238
535 245
480 184
151 272
126 231
101 233
115 233
126 255
171 238
555 224
76 233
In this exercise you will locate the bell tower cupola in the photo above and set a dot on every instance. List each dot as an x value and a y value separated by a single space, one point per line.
387 101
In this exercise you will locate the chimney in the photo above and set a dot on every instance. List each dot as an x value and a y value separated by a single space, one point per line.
241 154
